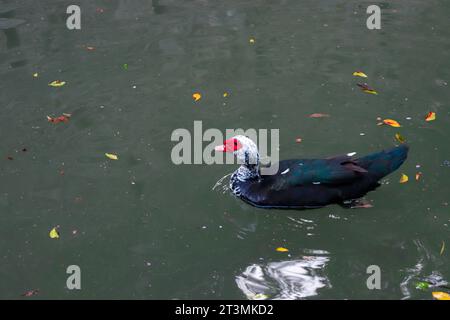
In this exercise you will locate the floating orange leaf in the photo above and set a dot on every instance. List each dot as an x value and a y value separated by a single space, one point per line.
359 74
441 295
430 116
391 123
404 178
196 96
281 249
399 138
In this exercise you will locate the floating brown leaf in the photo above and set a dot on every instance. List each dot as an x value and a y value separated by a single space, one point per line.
30 293
64 118
319 115
365 88
418 175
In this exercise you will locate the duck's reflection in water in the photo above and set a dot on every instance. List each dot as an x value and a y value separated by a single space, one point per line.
291 279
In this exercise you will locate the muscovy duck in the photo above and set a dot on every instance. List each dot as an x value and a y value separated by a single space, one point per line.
308 183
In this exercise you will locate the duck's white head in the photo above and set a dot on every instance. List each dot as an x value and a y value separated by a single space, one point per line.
243 148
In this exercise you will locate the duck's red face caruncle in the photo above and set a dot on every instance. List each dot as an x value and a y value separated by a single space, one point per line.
230 145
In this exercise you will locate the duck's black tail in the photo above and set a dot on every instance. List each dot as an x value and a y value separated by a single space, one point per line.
382 163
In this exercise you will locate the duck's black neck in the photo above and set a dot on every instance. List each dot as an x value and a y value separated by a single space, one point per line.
247 172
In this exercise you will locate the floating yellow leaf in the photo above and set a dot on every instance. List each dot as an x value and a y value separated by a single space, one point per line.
251 40
441 295
430 116
57 83
404 178
225 94
359 74
370 91
196 96
399 138
111 156
35 75
442 248
391 123
54 233
281 249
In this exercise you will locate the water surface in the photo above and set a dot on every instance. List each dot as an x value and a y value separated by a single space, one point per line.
144 228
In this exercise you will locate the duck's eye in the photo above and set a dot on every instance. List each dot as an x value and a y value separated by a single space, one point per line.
235 144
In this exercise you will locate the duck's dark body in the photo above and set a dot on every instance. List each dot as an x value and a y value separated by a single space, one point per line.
314 183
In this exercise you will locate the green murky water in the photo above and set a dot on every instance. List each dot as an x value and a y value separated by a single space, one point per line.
141 227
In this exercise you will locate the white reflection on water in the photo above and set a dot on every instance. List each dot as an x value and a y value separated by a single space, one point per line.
291 279
416 273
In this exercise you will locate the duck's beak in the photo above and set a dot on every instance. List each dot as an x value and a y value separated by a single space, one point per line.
220 148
